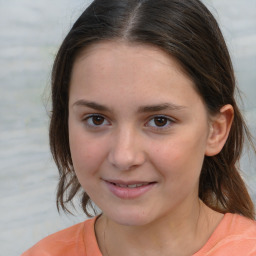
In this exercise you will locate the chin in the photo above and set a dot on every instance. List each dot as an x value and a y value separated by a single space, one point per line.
129 217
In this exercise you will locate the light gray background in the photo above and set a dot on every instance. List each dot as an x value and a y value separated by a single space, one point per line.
30 33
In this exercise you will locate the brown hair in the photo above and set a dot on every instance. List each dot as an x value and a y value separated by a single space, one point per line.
186 30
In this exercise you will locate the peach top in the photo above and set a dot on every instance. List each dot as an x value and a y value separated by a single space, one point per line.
235 235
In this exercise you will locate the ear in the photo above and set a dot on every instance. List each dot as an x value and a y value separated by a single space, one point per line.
219 130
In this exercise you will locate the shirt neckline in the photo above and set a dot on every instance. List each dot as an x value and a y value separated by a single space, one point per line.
92 247
214 236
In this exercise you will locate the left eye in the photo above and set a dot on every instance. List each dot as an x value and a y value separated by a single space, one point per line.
159 122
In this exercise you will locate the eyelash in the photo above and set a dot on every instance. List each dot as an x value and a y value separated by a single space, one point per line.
167 121
89 121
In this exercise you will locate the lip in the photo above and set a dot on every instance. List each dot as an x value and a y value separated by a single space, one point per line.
128 192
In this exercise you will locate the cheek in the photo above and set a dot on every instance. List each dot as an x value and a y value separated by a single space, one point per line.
180 158
180 170
86 152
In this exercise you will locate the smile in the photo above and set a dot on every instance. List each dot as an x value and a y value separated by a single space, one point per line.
131 185
129 190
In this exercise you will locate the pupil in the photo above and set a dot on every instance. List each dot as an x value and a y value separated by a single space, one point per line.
98 120
160 121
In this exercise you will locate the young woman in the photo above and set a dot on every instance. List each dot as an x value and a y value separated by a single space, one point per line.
144 123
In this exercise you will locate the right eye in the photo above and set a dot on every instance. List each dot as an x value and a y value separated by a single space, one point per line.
96 120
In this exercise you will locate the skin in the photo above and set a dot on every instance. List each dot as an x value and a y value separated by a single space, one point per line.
128 87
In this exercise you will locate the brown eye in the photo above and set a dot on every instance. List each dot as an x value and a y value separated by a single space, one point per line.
160 121
98 120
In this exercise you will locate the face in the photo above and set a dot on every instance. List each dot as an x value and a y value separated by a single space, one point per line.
138 132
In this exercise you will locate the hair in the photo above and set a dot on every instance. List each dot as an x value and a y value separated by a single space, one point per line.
187 31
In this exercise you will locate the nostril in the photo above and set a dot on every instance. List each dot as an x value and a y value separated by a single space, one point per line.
124 155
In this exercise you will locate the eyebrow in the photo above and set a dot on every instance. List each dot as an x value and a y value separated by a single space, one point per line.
160 107
91 104
142 109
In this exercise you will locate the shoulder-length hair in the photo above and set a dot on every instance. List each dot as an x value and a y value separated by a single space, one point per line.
187 31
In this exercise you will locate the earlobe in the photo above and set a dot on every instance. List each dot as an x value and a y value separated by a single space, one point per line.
219 130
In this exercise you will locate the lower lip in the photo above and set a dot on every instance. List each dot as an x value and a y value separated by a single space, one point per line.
129 193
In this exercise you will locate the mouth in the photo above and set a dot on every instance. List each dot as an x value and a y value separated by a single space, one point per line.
129 190
134 185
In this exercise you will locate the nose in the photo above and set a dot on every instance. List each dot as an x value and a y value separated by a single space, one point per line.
126 150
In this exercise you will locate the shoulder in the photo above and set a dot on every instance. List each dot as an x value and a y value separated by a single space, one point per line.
235 235
69 241
237 225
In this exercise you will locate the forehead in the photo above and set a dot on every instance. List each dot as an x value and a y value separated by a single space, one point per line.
101 52
138 73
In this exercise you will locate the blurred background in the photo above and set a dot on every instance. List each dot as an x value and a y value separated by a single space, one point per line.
30 34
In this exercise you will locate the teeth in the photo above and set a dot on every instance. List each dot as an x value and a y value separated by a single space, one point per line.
131 186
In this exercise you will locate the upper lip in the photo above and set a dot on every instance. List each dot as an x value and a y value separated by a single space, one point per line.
132 182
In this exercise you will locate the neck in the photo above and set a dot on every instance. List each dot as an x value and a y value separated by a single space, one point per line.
165 236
